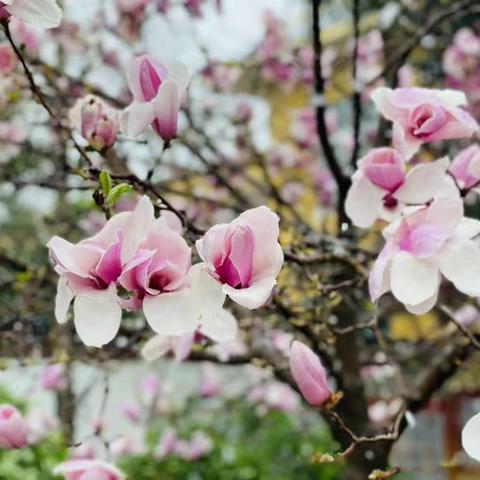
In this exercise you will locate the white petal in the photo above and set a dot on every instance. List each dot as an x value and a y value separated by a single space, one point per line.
421 183
460 263
362 203
178 73
136 118
471 436
221 327
39 13
255 296
170 313
63 299
156 347
207 297
141 221
413 280
423 307
97 317
467 228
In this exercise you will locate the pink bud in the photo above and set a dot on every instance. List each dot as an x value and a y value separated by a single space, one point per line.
132 411
8 60
13 428
308 372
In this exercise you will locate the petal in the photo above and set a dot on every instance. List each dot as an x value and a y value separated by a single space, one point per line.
470 436
422 183
63 299
467 228
97 317
136 118
423 307
221 327
39 13
183 346
178 73
170 313
406 144
446 212
141 221
254 296
207 297
413 280
362 203
156 347
378 280
166 109
460 263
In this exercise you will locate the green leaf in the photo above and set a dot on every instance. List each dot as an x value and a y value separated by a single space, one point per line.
105 183
116 192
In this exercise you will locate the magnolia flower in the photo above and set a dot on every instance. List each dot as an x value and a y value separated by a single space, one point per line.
423 245
53 378
132 411
309 374
160 345
158 93
466 167
210 382
274 396
244 256
149 388
421 115
470 436
199 446
40 13
8 59
381 188
90 269
13 428
88 470
199 306
168 444
25 35
95 120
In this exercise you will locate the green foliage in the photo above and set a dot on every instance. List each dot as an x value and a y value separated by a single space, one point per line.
33 463
247 447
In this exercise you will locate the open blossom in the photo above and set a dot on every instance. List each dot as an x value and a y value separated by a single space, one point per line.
245 256
13 428
96 121
421 115
462 58
381 188
470 436
40 13
158 93
423 245
466 167
88 470
90 269
160 345
309 374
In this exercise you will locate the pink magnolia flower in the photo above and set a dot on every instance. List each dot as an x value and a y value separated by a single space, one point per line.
470 436
309 374
96 121
194 7
220 76
132 6
274 396
84 451
168 444
381 188
127 445
13 428
210 382
40 13
149 388
88 470
422 115
160 345
158 93
197 307
423 245
132 411
462 58
466 167
90 270
25 35
53 378
200 446
245 256
8 59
